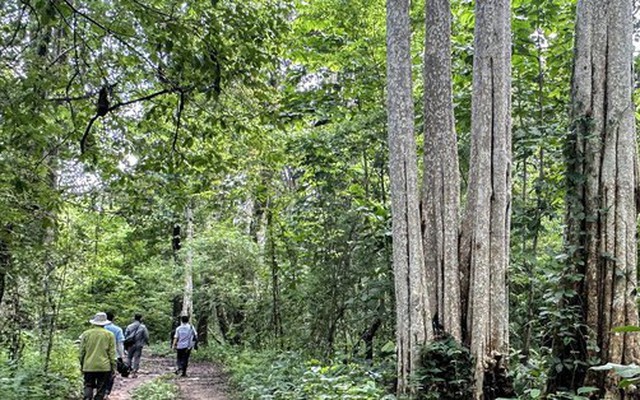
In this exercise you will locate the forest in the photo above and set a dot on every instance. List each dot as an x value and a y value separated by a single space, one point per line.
349 199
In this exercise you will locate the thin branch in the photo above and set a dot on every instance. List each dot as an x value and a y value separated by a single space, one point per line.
116 36
59 57
15 32
35 13
67 90
180 108
144 98
94 21
154 10
69 99
85 136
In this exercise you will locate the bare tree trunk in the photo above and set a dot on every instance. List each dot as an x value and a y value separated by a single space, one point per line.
441 175
537 220
48 319
15 319
485 230
48 40
413 316
603 183
275 276
187 301
5 260
176 245
203 329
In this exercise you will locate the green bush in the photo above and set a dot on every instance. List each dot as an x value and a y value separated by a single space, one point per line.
446 371
161 388
26 379
288 375
162 349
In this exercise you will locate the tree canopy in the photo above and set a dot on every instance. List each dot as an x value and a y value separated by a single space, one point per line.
270 123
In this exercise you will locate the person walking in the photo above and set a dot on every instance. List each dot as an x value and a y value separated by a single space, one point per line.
184 340
119 337
97 347
135 337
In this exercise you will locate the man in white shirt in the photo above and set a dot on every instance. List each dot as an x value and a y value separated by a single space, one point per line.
183 341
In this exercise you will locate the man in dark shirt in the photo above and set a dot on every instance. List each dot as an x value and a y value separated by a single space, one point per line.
138 335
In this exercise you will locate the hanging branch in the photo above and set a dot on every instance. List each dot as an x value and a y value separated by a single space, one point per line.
103 108
19 26
92 20
180 108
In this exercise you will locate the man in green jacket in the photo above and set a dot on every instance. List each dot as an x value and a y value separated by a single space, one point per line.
97 347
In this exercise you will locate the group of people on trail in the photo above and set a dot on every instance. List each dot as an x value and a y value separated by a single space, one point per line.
105 346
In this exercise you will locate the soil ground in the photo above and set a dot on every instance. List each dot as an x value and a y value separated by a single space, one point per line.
204 380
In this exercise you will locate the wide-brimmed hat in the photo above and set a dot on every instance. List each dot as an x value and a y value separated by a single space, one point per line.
100 319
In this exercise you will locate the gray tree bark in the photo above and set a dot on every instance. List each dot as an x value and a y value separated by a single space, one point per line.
6 233
440 206
49 309
603 181
413 317
187 300
485 230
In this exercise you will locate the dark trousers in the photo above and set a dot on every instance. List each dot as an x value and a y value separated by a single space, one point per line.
134 352
95 381
110 382
183 360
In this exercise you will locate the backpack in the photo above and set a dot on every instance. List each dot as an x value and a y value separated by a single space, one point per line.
130 340
122 368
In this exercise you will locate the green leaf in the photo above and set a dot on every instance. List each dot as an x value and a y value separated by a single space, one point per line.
587 390
535 393
607 367
624 329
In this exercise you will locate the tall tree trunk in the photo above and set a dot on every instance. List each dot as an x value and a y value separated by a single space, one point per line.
413 315
176 244
603 185
6 317
203 329
368 336
48 319
533 233
537 219
15 319
275 276
187 300
5 260
485 230
441 175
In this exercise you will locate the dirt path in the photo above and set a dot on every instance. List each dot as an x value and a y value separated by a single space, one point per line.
203 381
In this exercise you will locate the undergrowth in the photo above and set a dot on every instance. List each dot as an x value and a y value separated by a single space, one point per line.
27 379
289 376
446 371
161 388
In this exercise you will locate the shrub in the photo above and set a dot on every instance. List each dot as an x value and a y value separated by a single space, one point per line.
26 379
446 371
158 389
290 376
